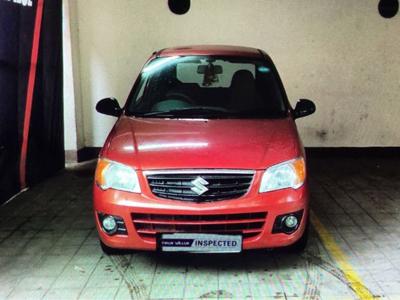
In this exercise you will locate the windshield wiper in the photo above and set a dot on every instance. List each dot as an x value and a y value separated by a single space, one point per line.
259 113
211 112
183 112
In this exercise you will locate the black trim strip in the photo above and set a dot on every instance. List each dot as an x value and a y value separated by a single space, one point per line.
353 152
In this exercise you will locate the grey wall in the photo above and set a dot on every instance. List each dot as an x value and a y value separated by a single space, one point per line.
342 54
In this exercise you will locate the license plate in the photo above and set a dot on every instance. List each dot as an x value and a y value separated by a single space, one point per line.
200 243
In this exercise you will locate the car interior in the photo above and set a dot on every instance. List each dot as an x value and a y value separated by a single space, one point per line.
247 86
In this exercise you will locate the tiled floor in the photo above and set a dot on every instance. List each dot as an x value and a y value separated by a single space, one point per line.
49 248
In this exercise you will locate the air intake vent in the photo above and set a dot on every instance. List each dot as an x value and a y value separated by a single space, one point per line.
247 224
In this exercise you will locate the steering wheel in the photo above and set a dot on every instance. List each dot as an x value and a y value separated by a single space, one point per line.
179 96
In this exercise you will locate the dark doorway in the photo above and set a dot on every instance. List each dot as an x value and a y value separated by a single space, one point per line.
19 24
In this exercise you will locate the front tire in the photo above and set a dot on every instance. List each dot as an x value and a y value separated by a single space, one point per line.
108 250
300 245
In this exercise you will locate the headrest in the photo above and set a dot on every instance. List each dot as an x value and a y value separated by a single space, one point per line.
242 75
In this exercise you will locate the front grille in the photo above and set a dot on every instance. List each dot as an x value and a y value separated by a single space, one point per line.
219 186
247 224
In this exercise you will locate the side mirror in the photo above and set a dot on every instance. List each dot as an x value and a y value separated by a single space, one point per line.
304 107
109 106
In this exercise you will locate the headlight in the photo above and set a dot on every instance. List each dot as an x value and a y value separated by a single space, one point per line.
113 175
289 174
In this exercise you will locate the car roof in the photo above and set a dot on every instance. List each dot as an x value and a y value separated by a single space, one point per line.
222 50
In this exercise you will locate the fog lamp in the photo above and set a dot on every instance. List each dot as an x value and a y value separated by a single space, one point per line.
109 224
291 221
287 223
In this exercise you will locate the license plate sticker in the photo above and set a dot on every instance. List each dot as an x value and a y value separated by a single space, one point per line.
200 243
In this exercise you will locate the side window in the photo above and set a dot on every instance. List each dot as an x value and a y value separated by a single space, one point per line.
187 73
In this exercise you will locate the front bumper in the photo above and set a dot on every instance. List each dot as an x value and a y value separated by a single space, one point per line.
125 205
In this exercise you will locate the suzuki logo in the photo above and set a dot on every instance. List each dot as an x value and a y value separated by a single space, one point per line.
199 185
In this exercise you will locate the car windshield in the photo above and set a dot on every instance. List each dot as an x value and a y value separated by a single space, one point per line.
207 87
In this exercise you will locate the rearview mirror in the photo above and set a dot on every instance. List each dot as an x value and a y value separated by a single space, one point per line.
304 107
214 69
109 106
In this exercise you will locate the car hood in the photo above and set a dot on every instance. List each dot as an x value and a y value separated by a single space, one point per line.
151 143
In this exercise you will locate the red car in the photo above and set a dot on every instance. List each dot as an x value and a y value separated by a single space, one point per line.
205 157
